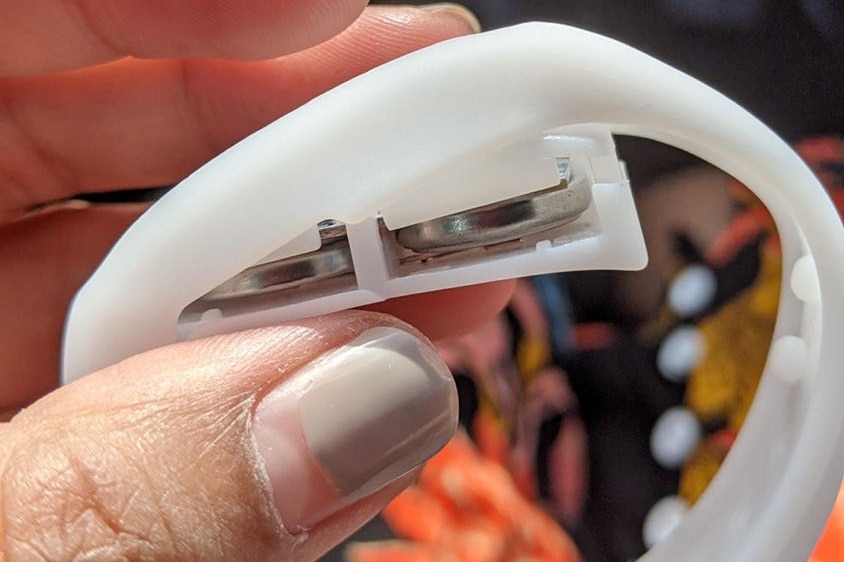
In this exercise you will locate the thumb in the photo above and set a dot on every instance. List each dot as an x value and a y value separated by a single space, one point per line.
265 445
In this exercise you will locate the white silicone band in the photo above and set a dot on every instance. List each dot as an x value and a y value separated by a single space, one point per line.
369 143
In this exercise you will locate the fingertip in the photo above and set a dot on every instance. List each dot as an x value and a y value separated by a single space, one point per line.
450 313
330 532
244 30
351 422
456 11
74 34
420 26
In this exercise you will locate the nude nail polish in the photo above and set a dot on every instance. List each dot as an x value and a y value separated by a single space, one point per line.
352 421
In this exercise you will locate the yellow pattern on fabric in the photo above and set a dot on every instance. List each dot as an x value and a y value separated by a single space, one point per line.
699 471
721 389
533 354
737 338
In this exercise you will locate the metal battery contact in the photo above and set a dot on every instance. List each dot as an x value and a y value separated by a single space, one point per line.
294 279
524 216
330 268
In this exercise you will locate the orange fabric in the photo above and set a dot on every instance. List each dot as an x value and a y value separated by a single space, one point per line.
830 547
466 508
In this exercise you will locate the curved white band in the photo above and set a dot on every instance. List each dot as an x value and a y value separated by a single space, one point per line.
366 144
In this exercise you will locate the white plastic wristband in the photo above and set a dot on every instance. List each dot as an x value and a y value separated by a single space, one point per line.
473 121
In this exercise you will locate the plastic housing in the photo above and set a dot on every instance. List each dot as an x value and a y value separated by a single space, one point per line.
440 128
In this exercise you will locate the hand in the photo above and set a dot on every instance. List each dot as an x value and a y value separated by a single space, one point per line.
223 449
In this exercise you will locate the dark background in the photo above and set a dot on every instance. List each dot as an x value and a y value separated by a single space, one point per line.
783 60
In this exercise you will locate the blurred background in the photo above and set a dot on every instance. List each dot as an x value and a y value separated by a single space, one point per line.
596 392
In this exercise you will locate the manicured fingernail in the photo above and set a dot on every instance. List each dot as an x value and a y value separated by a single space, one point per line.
457 11
353 421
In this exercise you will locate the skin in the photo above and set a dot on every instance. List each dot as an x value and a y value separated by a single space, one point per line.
100 96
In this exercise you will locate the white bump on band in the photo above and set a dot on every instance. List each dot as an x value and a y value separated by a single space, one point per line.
788 358
804 280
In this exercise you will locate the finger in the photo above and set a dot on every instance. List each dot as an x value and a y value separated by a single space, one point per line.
49 35
255 446
450 313
150 123
46 258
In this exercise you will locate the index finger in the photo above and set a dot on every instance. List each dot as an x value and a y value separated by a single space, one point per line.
40 36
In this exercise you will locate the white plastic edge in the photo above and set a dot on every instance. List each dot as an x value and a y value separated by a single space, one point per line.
582 244
337 157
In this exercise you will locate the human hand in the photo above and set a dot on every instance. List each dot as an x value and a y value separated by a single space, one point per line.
219 449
